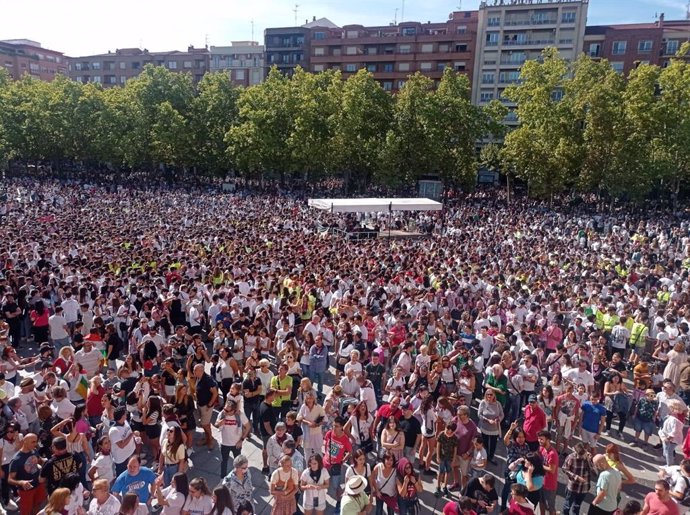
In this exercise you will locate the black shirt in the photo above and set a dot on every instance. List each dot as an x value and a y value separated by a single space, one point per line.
411 428
203 389
267 414
476 491
251 386
375 375
10 308
58 467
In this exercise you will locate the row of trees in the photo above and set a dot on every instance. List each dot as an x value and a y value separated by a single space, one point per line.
308 125
585 127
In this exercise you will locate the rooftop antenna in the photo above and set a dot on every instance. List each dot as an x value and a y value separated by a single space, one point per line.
252 30
206 40
402 12
295 10
459 5
395 17
687 11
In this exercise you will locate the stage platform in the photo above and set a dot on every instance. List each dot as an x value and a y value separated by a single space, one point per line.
403 234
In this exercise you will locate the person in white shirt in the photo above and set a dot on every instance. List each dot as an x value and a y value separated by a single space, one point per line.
71 309
367 393
234 430
122 439
59 330
89 358
103 502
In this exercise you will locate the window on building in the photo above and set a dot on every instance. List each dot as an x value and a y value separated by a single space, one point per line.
371 50
494 21
425 67
488 78
34 67
351 50
77 67
557 95
319 50
491 38
568 17
389 49
96 65
96 79
427 48
462 29
239 74
441 66
594 50
319 35
136 65
172 65
645 46
112 79
401 83
617 66
403 67
485 96
443 47
335 51
187 64
350 67
388 67
461 47
619 47
371 68
318 67
404 49
123 65
409 31
123 79
671 47
256 76
387 85
352 34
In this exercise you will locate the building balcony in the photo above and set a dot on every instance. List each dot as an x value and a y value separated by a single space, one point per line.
529 22
530 42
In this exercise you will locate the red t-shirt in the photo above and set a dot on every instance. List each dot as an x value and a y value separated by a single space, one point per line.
535 421
517 509
451 508
386 411
336 447
658 507
550 457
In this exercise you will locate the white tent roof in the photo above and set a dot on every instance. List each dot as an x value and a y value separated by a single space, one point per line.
360 205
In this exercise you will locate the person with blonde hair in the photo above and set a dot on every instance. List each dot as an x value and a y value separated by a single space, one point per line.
671 432
56 502
103 502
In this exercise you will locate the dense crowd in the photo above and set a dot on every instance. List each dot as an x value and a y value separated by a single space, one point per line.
484 359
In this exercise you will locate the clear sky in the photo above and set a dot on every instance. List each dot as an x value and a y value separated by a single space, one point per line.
83 27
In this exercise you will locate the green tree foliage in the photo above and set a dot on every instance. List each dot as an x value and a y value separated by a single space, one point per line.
358 126
541 149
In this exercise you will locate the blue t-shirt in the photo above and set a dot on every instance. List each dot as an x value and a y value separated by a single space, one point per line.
537 481
591 416
139 484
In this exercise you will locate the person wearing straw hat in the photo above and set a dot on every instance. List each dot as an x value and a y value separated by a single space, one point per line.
355 501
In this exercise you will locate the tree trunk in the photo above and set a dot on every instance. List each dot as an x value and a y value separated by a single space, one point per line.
508 187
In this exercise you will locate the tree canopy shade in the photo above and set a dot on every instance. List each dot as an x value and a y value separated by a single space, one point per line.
368 205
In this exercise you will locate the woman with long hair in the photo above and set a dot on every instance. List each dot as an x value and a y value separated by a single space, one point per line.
57 502
173 454
427 413
184 407
393 439
409 487
152 413
40 323
383 484
613 456
131 506
516 449
360 428
222 502
531 474
173 497
314 483
199 500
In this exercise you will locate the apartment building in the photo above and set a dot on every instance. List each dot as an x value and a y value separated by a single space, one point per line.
115 68
243 61
626 46
23 56
287 48
516 31
393 52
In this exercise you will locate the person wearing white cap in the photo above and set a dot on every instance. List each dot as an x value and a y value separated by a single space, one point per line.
355 501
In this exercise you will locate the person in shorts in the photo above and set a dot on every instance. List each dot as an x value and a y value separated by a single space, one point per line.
593 419
446 451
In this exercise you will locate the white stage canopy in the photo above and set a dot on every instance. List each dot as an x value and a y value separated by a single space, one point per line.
362 205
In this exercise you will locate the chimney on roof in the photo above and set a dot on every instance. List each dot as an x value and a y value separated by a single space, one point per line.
313 18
